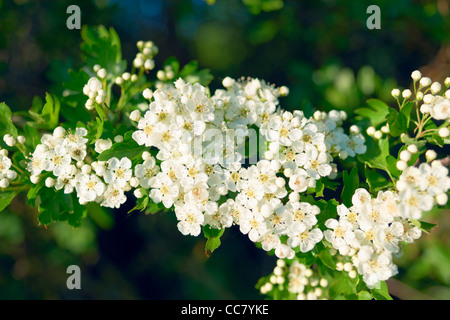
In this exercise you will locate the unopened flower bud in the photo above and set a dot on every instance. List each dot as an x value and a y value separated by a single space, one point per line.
435 87
425 82
395 93
430 155
416 75
444 132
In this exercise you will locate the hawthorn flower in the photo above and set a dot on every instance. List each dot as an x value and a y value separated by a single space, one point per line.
164 190
282 131
390 237
77 137
306 240
198 193
220 218
146 134
253 224
269 241
38 160
89 187
66 179
146 172
263 173
355 145
316 164
118 170
434 178
300 181
114 195
233 178
340 235
57 160
190 219
5 164
412 203
374 266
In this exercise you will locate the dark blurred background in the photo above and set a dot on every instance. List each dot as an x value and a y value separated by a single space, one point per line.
322 50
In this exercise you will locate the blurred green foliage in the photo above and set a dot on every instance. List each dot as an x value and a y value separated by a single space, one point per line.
321 50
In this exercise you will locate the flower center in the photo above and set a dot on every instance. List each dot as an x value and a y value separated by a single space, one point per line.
235 176
284 132
148 129
90 184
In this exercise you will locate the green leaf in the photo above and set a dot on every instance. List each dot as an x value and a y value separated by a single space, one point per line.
408 141
351 183
173 63
256 6
77 80
32 135
213 236
377 154
391 162
376 111
102 47
381 293
343 285
5 198
58 206
327 211
330 184
153 208
424 226
141 204
320 186
100 216
327 259
6 125
399 120
406 112
48 117
127 148
364 295
189 68
204 77
306 258
436 139
190 73
376 180
74 212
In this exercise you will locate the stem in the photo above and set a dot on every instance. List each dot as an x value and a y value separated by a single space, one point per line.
419 125
17 168
18 188
426 119
428 131
122 94
392 178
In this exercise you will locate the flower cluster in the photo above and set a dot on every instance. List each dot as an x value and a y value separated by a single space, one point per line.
372 229
235 157
198 165
6 174
434 103
144 59
296 280
94 90
62 159
420 188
